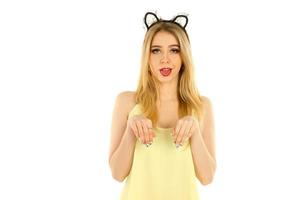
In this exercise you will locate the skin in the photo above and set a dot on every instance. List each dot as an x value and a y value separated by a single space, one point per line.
165 52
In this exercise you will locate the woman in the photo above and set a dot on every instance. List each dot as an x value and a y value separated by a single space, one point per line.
162 135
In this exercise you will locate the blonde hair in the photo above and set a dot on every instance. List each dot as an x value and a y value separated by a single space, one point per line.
147 93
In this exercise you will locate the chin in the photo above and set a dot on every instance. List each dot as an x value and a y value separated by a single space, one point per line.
165 79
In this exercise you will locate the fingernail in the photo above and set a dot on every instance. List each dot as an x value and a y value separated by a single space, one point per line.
146 145
150 143
177 145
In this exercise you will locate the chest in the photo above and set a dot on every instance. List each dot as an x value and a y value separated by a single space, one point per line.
167 115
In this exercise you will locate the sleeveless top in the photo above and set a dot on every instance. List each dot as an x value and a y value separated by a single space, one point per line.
160 171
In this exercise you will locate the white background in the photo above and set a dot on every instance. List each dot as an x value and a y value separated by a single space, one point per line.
64 62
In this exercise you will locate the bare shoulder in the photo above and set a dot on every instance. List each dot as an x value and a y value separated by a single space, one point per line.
207 105
127 94
205 99
126 100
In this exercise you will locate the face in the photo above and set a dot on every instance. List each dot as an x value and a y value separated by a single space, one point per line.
165 60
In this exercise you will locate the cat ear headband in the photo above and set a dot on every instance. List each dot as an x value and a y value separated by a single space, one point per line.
151 18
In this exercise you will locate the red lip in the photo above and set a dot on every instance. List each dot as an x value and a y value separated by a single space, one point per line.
166 71
165 68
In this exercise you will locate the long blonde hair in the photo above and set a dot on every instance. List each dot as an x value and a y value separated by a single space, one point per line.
147 93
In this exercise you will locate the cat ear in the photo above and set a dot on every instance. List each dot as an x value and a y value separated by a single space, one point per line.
182 20
150 18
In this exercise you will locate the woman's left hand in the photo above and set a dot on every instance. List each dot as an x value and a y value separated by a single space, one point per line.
184 129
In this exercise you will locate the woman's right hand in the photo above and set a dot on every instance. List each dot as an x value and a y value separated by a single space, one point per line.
141 127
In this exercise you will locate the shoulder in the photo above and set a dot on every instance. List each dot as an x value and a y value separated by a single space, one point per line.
126 100
207 104
205 100
126 97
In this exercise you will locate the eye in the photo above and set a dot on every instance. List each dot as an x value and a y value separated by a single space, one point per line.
154 51
175 50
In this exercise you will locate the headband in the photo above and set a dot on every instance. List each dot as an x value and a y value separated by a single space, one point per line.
176 20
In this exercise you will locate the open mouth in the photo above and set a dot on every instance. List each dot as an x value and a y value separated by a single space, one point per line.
165 71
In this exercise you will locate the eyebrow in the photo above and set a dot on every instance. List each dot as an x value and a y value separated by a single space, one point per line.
172 45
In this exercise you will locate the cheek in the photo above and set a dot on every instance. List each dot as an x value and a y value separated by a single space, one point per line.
176 59
153 60
178 62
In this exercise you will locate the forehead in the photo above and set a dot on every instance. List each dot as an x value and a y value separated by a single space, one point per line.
164 38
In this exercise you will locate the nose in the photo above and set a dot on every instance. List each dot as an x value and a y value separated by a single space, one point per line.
165 58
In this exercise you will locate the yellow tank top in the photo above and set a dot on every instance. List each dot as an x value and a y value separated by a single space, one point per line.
160 171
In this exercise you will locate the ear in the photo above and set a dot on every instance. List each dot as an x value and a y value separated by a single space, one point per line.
182 20
150 18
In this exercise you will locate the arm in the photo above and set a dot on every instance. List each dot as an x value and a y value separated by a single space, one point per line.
203 147
122 142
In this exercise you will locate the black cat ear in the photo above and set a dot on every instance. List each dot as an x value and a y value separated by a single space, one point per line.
182 20
150 18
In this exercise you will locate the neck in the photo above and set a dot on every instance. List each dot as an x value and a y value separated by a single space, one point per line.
168 91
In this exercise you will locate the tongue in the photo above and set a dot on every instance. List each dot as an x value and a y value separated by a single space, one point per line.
165 71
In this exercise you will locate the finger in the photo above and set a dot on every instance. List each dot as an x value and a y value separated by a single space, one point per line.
188 132
176 130
153 134
134 129
150 131
141 133
181 133
146 132
150 135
